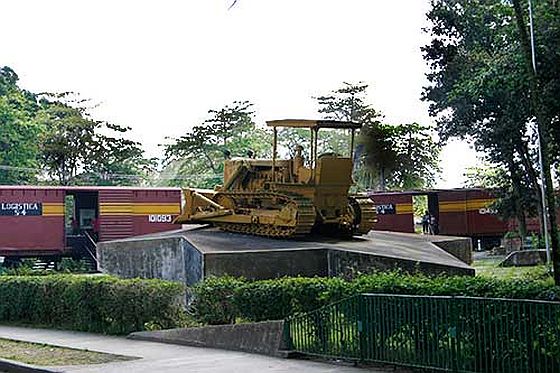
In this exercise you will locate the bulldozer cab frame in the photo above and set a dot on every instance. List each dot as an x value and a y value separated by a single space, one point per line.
314 126
284 197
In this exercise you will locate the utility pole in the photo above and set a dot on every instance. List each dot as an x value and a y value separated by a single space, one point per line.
543 184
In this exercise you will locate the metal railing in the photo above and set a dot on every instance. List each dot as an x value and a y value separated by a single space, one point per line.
457 334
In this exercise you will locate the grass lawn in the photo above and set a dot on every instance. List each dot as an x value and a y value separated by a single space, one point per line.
488 266
41 354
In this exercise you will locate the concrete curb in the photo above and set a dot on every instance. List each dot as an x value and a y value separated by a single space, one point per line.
283 354
265 338
19 367
524 258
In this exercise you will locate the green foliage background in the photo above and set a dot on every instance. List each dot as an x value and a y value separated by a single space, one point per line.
19 130
51 138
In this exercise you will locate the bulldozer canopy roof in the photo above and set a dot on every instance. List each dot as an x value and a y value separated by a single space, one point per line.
307 123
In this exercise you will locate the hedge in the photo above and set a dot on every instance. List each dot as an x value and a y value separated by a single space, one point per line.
213 300
223 300
100 304
276 299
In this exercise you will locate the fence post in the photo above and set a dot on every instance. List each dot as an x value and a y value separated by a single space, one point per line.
361 326
286 334
453 330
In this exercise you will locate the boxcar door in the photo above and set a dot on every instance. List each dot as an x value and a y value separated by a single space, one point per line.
115 214
433 209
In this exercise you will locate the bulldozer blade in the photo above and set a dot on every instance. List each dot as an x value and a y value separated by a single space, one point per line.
199 208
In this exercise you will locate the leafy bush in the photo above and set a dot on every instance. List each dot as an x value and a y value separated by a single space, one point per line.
24 268
223 300
275 299
69 265
91 303
512 234
478 286
27 267
213 303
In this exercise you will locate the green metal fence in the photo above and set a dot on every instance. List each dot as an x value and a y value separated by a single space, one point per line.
457 334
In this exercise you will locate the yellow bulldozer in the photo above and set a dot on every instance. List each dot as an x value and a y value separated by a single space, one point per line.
285 197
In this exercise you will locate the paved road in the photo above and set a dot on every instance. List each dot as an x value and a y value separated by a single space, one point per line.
157 357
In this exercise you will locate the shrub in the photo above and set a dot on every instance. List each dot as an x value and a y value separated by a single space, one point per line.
222 300
213 301
488 287
279 298
24 268
91 303
27 267
69 265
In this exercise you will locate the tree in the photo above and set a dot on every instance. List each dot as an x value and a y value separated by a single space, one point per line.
482 87
290 138
402 156
19 131
76 149
471 92
117 160
197 157
51 137
417 157
376 155
545 117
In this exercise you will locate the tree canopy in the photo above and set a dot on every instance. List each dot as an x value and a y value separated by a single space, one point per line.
78 149
479 88
196 158
482 87
393 156
19 130
52 138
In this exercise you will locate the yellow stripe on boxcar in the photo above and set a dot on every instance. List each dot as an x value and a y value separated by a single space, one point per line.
464 206
404 208
156 208
53 209
139 208
115 209
477 204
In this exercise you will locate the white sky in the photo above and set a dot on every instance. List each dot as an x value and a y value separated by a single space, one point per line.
158 66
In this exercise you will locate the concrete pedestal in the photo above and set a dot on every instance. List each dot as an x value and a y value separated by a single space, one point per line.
189 255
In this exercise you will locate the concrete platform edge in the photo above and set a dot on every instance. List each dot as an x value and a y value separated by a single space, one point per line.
171 341
189 256
12 366
263 338
284 354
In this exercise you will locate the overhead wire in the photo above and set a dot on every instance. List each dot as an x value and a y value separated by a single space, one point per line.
108 175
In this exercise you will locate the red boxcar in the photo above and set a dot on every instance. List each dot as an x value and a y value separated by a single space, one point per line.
40 221
394 212
458 212
468 212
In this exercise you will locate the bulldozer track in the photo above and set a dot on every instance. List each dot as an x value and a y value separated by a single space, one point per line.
365 208
305 219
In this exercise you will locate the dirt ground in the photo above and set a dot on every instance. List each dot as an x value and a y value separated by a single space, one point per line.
41 354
